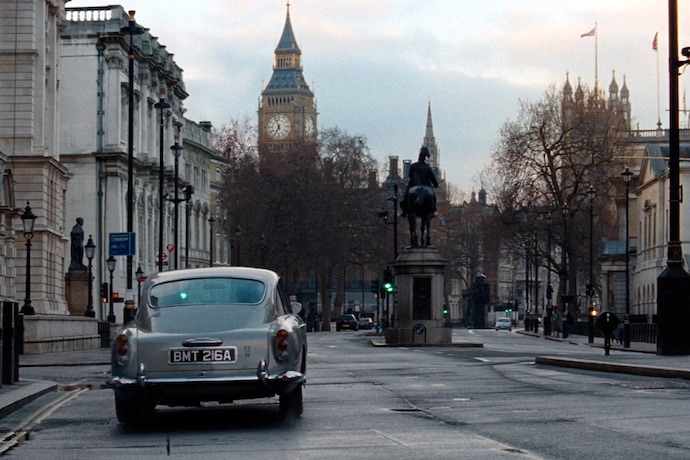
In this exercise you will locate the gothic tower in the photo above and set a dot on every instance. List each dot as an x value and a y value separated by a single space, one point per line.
287 111
435 162
430 143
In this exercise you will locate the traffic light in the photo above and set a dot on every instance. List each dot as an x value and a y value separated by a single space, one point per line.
104 292
388 285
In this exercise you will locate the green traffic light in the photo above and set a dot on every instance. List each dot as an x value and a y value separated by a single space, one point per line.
388 287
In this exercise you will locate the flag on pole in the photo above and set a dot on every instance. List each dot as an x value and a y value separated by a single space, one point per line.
655 42
591 33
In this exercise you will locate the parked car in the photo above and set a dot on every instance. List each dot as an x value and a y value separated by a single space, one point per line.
504 323
209 334
366 323
347 322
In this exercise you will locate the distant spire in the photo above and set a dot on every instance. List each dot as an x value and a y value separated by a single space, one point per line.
567 88
430 141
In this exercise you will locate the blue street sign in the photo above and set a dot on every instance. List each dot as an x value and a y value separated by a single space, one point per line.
122 244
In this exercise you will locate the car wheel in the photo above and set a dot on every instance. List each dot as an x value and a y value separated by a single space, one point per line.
291 404
128 410
338 328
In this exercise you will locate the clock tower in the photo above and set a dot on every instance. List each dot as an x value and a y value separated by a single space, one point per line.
287 111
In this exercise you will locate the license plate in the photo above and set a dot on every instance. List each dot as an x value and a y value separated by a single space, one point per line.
187 355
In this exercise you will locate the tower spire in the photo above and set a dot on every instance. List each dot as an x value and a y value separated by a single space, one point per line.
430 142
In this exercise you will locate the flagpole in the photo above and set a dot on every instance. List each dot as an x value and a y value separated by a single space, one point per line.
596 56
658 97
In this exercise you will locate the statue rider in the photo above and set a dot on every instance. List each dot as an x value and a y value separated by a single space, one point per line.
420 174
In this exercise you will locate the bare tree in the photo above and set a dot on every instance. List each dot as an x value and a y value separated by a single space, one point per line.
547 160
314 218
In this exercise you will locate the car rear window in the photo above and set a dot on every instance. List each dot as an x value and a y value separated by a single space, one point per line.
207 291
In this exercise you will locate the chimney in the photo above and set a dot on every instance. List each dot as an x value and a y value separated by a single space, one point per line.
393 168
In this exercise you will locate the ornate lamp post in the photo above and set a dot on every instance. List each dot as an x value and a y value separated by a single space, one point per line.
177 151
140 279
28 220
111 262
590 287
673 284
131 29
90 250
627 175
211 220
161 105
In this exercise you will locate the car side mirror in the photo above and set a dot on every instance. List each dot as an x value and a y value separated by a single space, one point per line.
296 307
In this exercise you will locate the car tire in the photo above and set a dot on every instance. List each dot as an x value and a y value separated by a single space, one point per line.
292 404
127 410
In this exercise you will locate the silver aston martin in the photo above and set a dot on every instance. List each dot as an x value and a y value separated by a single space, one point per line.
209 334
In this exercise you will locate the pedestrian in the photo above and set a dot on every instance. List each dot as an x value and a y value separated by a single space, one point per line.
619 335
570 323
558 321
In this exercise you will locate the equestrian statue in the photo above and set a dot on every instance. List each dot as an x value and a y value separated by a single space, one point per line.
419 200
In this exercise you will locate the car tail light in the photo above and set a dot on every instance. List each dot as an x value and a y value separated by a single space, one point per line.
122 348
281 344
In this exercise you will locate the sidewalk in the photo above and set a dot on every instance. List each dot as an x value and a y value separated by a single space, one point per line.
639 359
44 373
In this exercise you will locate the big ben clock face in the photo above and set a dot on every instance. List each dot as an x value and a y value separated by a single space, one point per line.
309 128
278 127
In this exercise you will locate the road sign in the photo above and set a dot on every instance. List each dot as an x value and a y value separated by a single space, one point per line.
163 256
122 244
170 247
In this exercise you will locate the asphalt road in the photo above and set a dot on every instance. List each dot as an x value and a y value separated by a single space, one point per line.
399 403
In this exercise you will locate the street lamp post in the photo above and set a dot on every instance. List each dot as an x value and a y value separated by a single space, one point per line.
140 279
673 284
627 175
90 250
177 151
161 105
238 233
131 29
263 250
394 199
111 268
564 259
28 220
211 220
188 192
590 286
549 289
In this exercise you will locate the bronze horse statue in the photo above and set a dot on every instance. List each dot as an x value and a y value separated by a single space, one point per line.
420 204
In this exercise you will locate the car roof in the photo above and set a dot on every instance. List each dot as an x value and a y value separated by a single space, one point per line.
266 276
503 319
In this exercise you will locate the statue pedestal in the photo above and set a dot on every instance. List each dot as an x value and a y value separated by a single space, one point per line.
77 291
420 280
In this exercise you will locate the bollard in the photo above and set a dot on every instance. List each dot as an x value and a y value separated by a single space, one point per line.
8 333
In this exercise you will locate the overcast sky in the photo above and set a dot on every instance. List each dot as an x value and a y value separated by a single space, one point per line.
374 65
